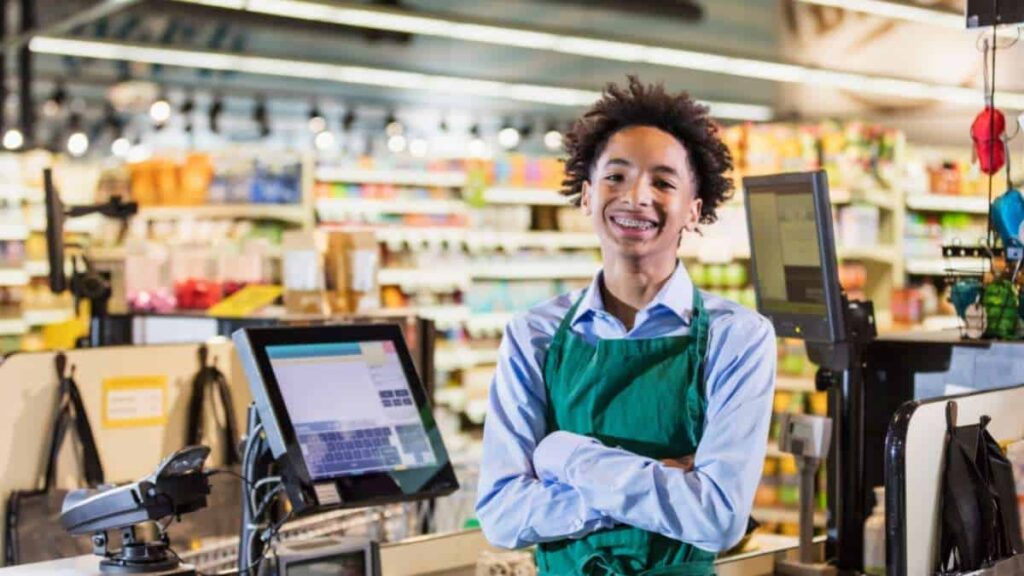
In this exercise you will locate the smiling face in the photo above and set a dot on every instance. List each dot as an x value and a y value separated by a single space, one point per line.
641 195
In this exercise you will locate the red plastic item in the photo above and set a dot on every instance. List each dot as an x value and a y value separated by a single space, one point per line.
196 294
987 131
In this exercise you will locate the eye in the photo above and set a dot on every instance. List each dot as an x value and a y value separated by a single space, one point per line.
615 178
664 184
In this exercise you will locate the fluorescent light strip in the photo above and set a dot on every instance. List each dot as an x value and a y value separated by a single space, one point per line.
910 13
354 75
898 11
390 20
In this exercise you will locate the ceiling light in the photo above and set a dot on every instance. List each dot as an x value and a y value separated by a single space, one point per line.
260 117
396 143
418 148
120 147
324 140
78 143
160 112
55 103
316 123
906 12
393 21
349 119
392 126
553 140
216 109
508 137
355 74
13 139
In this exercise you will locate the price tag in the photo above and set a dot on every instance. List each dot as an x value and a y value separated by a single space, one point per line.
134 401
246 301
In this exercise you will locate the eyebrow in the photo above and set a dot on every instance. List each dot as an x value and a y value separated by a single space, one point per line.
661 168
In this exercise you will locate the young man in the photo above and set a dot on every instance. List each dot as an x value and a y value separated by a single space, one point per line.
628 422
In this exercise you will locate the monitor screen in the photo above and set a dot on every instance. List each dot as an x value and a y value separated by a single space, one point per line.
790 223
351 407
345 415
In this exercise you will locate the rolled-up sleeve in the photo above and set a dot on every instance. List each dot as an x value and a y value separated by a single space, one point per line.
514 507
709 506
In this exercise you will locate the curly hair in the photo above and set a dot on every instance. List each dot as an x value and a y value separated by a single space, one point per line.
650 105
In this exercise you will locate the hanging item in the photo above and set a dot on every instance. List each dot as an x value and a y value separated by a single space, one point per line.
1000 301
987 132
1008 217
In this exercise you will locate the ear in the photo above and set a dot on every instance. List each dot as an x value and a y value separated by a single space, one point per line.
585 202
694 217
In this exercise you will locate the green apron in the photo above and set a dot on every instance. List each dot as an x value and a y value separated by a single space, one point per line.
647 397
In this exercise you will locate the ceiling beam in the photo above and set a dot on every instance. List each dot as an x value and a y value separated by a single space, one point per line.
89 15
349 74
614 49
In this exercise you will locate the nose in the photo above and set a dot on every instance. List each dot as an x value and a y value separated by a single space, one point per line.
640 193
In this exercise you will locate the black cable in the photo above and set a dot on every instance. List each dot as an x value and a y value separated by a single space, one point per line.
215 471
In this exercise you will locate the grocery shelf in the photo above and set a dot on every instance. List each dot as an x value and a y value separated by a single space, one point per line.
880 254
532 239
16 193
47 317
873 196
451 179
941 266
535 270
295 213
948 203
13 277
13 231
527 196
421 234
783 515
708 251
12 327
330 208
938 323
773 450
794 384
488 323
462 357
37 268
416 278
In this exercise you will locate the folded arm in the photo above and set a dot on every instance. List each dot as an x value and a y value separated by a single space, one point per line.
514 507
708 506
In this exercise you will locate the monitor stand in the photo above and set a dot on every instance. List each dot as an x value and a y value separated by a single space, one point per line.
840 373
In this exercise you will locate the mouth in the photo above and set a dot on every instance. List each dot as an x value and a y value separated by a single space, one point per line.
634 224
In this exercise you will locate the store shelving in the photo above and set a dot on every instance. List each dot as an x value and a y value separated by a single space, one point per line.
47 317
942 266
462 357
535 271
879 254
527 196
428 179
415 278
530 239
13 326
13 277
795 383
874 196
294 213
488 323
334 209
948 203
13 231
783 515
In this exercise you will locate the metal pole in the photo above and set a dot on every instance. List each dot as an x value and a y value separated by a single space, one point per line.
26 107
807 466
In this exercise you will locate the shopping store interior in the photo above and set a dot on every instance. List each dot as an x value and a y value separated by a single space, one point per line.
305 163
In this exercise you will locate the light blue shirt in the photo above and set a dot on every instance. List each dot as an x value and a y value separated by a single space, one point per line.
536 487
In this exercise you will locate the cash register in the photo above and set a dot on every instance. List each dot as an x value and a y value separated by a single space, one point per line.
340 419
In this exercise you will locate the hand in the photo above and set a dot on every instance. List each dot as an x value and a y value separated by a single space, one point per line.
684 463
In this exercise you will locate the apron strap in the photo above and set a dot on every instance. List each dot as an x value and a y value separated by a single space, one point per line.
563 326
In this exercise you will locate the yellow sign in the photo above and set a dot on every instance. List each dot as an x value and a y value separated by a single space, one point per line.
134 401
246 301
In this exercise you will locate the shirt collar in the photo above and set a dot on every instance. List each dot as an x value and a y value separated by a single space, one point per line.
675 296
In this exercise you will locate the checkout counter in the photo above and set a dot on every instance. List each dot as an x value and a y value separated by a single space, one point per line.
879 389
